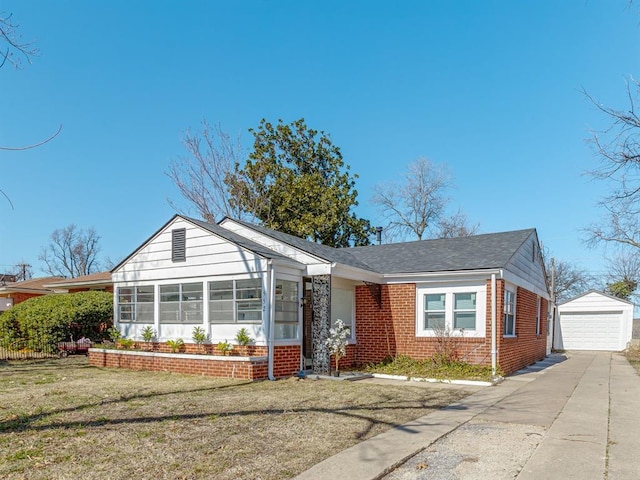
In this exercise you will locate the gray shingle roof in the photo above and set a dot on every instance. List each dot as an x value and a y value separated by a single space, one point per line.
486 251
238 240
478 252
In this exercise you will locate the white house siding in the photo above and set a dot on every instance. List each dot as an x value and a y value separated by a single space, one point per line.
594 321
271 243
208 257
526 269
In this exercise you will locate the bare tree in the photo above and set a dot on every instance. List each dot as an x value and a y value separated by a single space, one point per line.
72 252
623 274
416 205
201 177
12 51
569 280
618 148
15 49
455 226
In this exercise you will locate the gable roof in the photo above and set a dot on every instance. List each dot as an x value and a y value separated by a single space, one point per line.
216 230
477 252
597 292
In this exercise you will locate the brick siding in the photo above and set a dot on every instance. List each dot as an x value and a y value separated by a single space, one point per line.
390 329
253 369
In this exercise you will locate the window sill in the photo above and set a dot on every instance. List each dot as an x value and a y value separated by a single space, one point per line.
509 336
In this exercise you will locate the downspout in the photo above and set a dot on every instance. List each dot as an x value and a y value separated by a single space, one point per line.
271 273
494 350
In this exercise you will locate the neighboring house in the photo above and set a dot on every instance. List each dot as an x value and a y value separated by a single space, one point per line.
396 299
17 292
95 281
594 321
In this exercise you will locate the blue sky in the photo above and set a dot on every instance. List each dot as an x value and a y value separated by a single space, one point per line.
490 88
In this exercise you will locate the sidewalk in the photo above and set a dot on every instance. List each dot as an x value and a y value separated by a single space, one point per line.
550 421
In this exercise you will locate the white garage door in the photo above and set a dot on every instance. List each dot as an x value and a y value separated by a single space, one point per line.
591 331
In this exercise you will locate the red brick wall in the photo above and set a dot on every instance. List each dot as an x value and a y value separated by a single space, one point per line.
19 297
286 360
251 370
525 348
208 349
390 329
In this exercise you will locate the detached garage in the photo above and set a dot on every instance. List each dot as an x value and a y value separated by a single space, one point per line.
594 321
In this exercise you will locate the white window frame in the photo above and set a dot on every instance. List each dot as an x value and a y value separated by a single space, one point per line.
236 301
135 302
538 318
480 289
348 322
505 311
182 312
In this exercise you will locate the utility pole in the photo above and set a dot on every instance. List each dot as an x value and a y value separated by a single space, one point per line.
24 270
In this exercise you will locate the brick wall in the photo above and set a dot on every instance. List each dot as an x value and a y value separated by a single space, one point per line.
19 297
526 347
228 368
286 360
206 349
390 329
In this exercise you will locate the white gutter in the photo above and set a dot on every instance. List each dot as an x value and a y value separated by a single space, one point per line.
271 275
494 353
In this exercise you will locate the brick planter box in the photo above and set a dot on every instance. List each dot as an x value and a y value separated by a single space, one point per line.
250 368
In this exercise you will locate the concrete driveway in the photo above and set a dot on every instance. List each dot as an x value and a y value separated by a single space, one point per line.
568 417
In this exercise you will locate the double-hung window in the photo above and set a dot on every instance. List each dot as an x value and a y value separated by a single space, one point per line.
181 303
287 307
509 313
435 311
235 301
452 309
342 303
538 316
135 304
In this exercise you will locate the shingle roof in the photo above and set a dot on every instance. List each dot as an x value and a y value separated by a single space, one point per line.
478 252
238 239
324 252
493 250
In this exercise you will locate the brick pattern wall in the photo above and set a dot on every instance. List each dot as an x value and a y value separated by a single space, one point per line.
19 297
251 370
207 349
526 347
286 360
390 329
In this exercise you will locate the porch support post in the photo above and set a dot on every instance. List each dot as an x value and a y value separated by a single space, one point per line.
321 305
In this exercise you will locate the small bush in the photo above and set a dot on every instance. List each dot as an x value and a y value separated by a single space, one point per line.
242 337
224 347
175 345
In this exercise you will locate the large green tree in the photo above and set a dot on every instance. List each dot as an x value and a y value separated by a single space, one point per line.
295 181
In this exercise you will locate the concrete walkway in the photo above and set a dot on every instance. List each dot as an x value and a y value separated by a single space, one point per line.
573 418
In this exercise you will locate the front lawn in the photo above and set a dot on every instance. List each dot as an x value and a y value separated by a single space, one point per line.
430 368
66 419
633 356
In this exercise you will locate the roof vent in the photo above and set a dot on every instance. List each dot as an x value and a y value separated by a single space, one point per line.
179 245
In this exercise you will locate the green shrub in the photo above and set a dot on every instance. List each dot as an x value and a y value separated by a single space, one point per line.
243 338
175 345
50 319
148 334
224 347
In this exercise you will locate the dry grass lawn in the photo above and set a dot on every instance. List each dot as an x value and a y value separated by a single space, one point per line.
633 356
65 419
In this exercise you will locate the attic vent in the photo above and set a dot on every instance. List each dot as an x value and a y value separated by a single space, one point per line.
179 245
